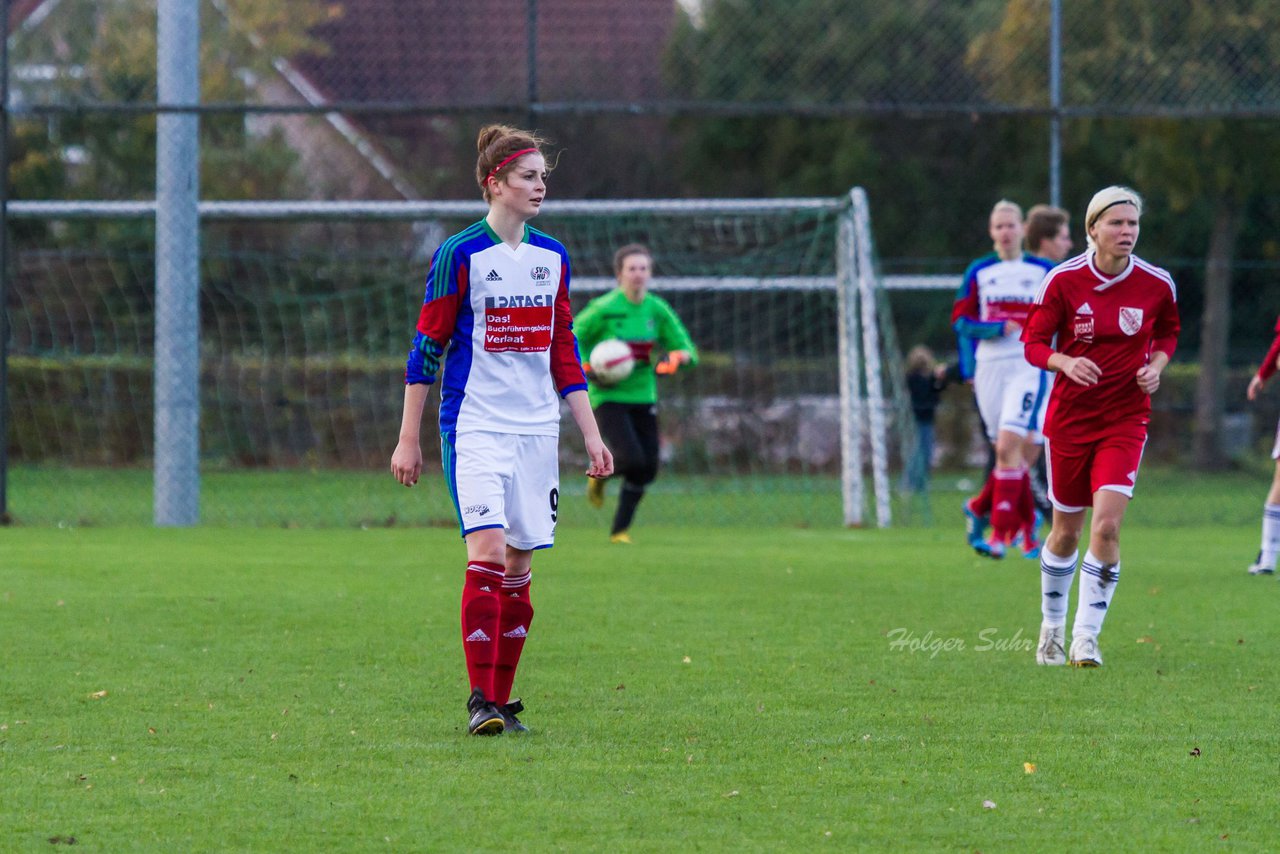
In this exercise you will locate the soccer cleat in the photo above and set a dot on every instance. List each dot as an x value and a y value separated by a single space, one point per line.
621 537
1050 651
485 717
1084 651
509 720
975 529
992 548
595 491
1260 568
1031 542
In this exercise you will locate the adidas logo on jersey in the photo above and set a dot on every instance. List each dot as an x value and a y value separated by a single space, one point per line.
1084 309
517 632
493 276
478 636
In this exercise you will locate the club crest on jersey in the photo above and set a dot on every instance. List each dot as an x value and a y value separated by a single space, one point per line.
540 274
1130 320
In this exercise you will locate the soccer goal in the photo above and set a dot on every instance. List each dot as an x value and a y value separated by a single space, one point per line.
306 310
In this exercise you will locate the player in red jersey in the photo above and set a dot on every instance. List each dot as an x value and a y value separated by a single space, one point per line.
1108 322
1266 562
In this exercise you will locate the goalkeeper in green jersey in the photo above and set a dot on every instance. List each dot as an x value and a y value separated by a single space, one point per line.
627 411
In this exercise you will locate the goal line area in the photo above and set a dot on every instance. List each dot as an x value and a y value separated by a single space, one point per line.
306 310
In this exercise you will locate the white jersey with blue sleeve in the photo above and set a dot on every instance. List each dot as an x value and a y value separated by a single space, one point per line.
995 291
500 318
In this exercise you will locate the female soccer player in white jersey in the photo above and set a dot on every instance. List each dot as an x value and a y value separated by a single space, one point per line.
991 307
1108 322
1266 562
497 299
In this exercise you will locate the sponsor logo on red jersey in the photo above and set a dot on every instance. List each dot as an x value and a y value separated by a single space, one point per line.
1083 328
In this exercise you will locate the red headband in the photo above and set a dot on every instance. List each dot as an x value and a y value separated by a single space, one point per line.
521 153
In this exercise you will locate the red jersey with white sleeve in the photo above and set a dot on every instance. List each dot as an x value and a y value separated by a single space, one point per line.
1116 322
1268 366
504 316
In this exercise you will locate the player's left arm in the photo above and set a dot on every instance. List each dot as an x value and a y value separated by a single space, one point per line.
674 336
601 461
566 362
1164 341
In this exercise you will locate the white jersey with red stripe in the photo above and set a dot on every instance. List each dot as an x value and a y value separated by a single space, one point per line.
994 291
504 314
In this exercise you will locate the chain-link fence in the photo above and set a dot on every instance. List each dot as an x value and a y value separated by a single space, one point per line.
937 107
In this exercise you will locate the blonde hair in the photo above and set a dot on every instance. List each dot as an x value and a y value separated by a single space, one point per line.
1106 198
1006 205
920 360
494 145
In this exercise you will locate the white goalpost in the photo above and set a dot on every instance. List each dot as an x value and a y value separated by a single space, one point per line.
798 400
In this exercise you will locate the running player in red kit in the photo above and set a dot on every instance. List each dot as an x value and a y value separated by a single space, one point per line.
1266 562
1108 322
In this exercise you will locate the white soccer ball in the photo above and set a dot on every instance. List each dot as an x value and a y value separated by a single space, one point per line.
611 361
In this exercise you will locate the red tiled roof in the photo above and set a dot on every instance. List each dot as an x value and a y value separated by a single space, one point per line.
19 10
446 52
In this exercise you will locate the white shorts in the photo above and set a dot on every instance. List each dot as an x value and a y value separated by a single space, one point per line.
1012 394
504 480
1275 449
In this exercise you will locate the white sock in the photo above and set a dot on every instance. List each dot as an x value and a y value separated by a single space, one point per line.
1056 574
1097 586
1270 534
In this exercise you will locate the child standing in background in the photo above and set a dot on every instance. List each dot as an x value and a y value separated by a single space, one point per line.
926 379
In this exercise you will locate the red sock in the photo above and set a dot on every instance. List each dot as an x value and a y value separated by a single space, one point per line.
1027 501
480 622
514 616
1006 499
980 504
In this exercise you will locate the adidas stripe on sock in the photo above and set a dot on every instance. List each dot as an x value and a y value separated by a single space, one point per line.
1056 574
514 616
1270 535
1097 586
480 605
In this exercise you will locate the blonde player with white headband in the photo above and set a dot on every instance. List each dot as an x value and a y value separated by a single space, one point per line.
1107 321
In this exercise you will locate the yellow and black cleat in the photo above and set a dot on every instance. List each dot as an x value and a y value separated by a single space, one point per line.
595 491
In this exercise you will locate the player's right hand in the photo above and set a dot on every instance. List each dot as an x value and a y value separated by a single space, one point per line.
406 462
1255 386
601 459
1081 371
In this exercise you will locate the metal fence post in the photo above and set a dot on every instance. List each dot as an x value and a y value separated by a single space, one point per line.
1055 103
4 266
177 344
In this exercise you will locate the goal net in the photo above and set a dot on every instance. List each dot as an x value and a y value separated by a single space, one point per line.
306 312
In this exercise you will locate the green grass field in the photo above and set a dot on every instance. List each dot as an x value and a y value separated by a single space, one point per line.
734 688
